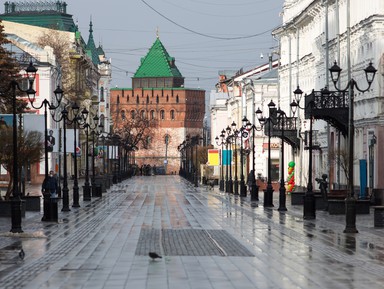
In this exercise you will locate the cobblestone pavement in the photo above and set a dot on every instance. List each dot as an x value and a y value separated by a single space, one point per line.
208 239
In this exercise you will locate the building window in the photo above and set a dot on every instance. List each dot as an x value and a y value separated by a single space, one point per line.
147 143
157 99
147 99
172 114
162 114
133 114
152 114
142 114
122 114
177 99
167 98
102 94
137 99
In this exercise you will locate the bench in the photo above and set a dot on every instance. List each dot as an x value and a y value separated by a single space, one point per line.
378 216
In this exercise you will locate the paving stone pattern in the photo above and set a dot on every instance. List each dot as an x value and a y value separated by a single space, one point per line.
208 240
189 242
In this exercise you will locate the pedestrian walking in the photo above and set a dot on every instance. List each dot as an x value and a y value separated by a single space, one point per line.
50 185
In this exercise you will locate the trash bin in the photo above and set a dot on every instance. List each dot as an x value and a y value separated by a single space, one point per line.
96 190
50 209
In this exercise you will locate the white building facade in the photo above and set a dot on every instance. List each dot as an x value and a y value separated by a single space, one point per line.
313 35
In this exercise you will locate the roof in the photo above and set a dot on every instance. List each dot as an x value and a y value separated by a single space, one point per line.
157 63
92 51
47 15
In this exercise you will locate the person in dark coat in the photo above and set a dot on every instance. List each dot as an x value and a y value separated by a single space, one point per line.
50 185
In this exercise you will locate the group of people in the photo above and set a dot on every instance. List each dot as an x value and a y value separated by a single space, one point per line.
147 170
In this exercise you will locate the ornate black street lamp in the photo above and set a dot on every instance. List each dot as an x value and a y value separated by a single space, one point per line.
95 131
75 121
16 196
282 117
87 126
226 143
196 140
309 196
254 187
244 135
220 142
181 149
63 117
350 201
49 214
229 142
236 134
268 193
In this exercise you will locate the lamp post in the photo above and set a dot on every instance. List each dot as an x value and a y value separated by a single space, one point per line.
96 187
181 149
225 139
16 200
63 117
244 135
268 193
254 187
75 121
220 142
350 201
229 142
196 177
236 134
309 197
87 127
48 214
281 117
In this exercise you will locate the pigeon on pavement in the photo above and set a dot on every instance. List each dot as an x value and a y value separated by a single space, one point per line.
21 254
154 255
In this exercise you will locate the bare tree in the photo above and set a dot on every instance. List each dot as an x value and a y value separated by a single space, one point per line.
61 49
30 150
341 158
135 132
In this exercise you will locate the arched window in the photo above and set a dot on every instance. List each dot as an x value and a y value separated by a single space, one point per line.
122 113
142 114
172 114
102 120
147 143
133 114
152 114
162 114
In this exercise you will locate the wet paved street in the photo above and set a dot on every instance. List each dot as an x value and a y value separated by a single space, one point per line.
208 239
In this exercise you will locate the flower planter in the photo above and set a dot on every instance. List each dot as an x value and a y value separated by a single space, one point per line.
32 203
5 208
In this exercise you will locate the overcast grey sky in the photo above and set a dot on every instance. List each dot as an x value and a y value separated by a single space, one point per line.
204 36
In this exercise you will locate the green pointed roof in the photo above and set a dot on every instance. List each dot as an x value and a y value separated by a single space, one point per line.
157 63
91 47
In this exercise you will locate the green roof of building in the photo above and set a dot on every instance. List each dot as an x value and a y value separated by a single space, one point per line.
48 15
157 63
91 47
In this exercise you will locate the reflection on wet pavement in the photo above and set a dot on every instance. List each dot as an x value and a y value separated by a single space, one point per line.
208 239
